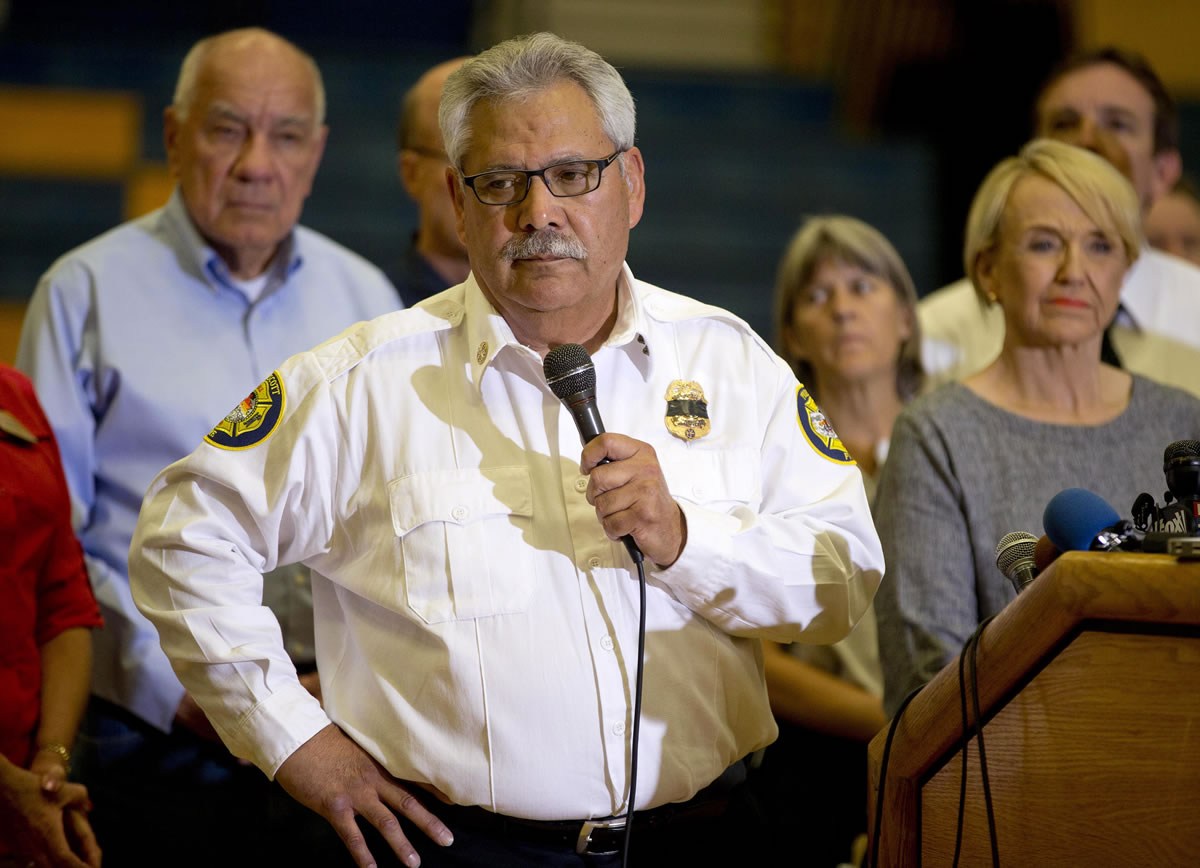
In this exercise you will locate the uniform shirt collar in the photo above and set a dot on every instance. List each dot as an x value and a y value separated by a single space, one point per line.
204 262
488 334
1140 291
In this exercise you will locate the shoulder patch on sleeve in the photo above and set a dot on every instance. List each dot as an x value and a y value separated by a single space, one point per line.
254 419
817 430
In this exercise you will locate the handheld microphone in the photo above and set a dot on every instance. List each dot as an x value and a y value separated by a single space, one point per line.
1014 557
1077 520
571 376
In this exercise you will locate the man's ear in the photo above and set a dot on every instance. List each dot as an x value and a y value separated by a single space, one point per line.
456 194
321 136
406 170
171 125
1168 166
635 183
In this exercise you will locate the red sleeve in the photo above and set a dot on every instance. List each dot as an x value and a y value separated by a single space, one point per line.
40 523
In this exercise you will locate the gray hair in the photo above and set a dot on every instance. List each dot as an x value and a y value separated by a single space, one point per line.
520 67
1100 191
845 239
193 62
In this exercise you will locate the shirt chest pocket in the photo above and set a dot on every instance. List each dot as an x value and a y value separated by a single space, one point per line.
716 478
463 538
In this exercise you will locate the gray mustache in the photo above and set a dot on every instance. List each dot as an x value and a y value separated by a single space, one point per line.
544 242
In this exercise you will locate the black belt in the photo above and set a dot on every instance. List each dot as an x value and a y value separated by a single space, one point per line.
603 835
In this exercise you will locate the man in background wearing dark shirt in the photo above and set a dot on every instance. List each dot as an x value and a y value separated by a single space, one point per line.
435 257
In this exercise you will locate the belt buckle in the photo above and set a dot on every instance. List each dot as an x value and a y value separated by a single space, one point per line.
589 826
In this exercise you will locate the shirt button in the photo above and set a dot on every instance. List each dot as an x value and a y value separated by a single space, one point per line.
581 484
606 643
594 563
619 728
700 492
459 513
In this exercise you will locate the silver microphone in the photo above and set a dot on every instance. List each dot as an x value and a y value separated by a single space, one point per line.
1014 558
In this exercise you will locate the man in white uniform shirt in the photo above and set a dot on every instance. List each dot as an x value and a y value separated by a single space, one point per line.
1111 102
476 613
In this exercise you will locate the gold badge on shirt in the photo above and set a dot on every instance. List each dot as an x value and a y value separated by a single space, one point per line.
687 411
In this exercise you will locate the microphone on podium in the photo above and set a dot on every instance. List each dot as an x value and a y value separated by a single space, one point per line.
1180 514
1014 557
1077 520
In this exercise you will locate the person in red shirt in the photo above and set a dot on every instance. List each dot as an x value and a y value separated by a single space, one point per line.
46 613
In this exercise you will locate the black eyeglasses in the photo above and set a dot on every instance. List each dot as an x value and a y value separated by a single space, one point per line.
510 186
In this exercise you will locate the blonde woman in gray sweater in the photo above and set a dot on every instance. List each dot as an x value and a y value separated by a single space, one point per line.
1049 238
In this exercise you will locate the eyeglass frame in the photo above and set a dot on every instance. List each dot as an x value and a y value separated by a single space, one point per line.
601 164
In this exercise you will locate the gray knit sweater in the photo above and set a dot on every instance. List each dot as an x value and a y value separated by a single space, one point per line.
960 475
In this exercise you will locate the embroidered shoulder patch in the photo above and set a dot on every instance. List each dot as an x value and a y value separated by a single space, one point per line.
254 419
817 429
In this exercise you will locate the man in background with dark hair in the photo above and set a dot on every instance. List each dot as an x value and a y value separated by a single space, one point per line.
435 257
1111 102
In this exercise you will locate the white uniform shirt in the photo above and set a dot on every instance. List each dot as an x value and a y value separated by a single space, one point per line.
475 627
1157 333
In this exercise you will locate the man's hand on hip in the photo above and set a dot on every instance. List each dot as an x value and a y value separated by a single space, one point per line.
333 776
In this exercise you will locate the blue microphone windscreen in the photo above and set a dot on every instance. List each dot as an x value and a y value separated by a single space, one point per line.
1073 518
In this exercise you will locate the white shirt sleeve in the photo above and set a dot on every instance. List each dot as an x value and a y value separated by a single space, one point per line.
805 566
210 526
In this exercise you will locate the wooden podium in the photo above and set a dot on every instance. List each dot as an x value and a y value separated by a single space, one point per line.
1089 689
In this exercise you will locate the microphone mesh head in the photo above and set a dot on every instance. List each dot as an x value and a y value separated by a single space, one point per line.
1181 449
569 370
1013 548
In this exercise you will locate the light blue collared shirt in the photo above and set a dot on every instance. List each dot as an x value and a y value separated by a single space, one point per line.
138 343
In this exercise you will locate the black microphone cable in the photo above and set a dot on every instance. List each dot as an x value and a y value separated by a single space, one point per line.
883 766
571 376
971 650
637 702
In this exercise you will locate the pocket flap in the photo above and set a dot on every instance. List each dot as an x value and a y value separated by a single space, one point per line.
713 476
459 496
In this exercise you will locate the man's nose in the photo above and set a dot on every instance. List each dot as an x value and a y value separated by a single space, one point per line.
255 159
540 208
1086 135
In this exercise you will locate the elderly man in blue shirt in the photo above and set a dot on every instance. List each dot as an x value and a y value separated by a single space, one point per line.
135 342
